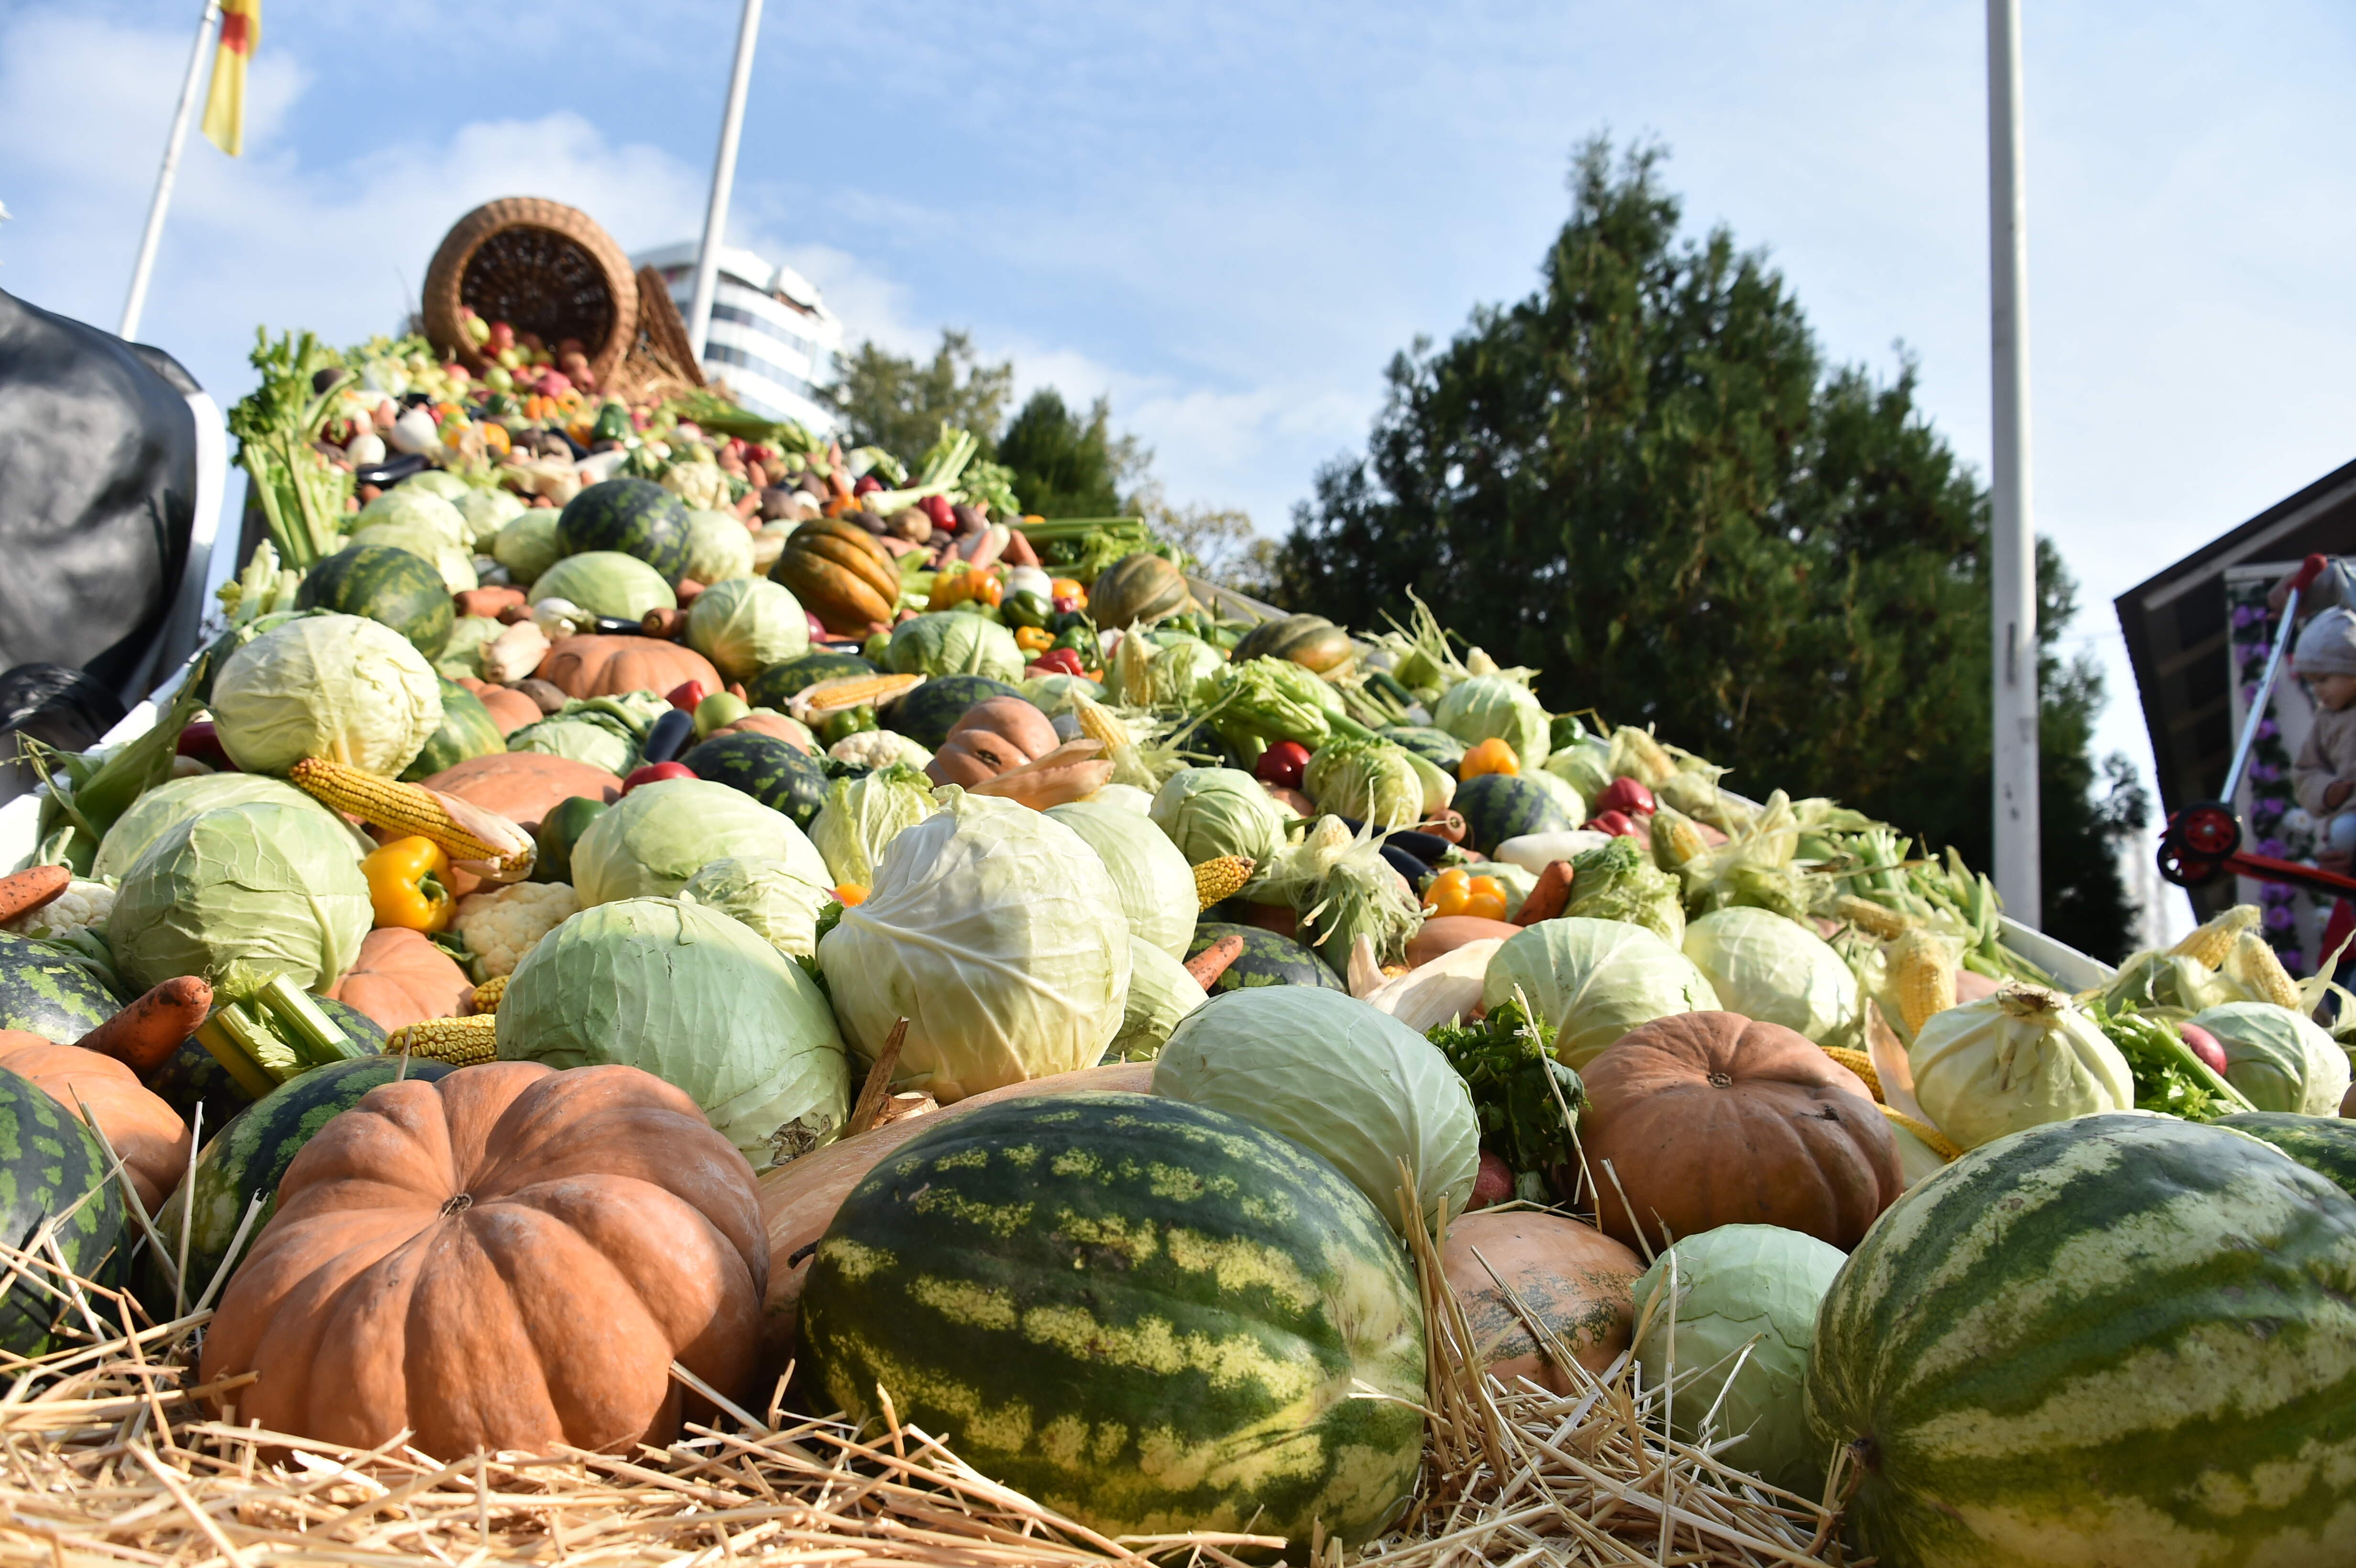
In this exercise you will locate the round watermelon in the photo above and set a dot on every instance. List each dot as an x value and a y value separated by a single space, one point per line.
403 591
1438 747
925 713
765 768
1266 959
47 1161
1152 1316
779 681
2119 1338
250 1155
1498 807
192 1080
634 516
45 991
466 731
2325 1144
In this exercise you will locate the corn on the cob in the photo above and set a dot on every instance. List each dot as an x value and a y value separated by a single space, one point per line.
488 995
398 808
1922 976
1675 838
461 1042
1221 878
1098 722
2209 943
2252 963
822 698
1859 1062
1873 919
1938 1142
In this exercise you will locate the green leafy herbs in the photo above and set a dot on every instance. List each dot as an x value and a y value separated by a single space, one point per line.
300 495
2167 1077
1527 1102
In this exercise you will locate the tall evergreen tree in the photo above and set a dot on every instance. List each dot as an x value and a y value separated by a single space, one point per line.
900 404
1066 465
1643 480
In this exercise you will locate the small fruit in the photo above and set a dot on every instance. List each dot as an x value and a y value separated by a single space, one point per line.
1627 796
868 484
2203 1044
655 773
1283 764
686 695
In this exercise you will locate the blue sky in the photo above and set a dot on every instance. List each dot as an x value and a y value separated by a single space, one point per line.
1228 216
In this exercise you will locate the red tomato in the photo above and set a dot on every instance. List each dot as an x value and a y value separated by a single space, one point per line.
1281 764
1626 795
655 773
1618 824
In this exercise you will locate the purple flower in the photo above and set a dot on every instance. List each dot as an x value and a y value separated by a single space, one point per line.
2244 613
2272 846
2268 729
2280 918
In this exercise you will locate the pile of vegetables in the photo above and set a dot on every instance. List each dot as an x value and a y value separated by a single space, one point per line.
777 839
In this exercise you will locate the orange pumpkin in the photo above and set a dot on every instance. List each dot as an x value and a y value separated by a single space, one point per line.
1711 1119
524 786
1572 1277
510 709
553 1239
990 739
146 1132
608 667
402 978
798 1199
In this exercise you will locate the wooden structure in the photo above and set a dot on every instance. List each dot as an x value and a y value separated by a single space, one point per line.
543 267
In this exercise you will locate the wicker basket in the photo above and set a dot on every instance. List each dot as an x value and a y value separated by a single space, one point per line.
542 267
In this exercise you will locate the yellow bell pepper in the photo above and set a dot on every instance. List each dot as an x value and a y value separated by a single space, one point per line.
1457 891
1033 639
495 437
952 588
408 884
1490 756
1067 588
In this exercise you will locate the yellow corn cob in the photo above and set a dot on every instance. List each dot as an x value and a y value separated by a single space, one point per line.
1922 976
2209 943
1675 838
1938 1143
397 807
1875 920
827 697
1222 877
2253 963
1098 722
488 995
1859 1062
462 1043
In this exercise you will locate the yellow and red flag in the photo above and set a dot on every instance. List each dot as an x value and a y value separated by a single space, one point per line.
225 104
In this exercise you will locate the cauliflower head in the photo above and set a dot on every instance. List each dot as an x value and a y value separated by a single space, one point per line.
83 906
500 926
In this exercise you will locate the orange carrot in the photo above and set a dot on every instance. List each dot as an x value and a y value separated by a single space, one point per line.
22 892
1211 963
1549 898
143 1035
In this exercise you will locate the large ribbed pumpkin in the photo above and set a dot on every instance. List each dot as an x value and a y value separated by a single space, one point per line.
2114 1340
840 575
1137 589
401 978
1711 1119
1155 1317
509 1258
608 667
138 1125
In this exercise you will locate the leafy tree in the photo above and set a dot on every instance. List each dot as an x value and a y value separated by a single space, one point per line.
1643 480
900 404
1067 466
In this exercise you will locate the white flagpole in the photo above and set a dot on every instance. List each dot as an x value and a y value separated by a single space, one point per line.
724 179
2019 873
137 300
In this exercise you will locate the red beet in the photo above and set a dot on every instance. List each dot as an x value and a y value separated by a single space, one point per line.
1494 1185
2203 1045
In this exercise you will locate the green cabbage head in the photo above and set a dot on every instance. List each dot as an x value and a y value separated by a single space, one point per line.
863 814
486 512
2278 1059
239 894
655 838
1374 782
606 582
699 1000
169 803
1765 966
780 907
1742 1324
340 686
1210 812
719 547
995 932
1594 980
526 546
953 642
1160 993
1489 707
1336 1076
1154 881
2021 1058
745 625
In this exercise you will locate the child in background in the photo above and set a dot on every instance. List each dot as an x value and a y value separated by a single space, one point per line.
2324 776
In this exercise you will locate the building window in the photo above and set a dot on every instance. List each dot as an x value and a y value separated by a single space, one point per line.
727 354
762 325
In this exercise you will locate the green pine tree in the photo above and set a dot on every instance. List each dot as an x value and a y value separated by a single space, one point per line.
1643 480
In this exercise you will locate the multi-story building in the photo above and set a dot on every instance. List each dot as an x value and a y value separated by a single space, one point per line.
772 337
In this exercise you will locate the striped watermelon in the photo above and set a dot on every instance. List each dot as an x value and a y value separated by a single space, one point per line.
2117 1339
1498 807
632 516
47 992
250 1155
48 1160
926 713
2325 1144
1438 747
191 1078
467 730
1151 1315
403 591
1266 959
764 767
779 681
